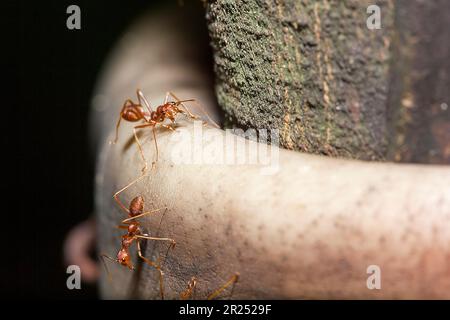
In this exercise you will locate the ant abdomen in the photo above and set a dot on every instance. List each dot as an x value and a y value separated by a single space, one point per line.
132 114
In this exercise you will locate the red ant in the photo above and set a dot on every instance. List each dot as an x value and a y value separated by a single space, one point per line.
135 211
134 112
134 234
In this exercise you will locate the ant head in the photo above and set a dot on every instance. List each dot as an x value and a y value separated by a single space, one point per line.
123 257
167 107
137 206
174 105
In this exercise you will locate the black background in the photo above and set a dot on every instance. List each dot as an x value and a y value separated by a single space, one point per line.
56 71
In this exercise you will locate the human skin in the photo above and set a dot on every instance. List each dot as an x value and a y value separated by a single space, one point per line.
309 230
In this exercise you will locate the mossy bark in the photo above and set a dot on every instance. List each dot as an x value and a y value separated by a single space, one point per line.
419 101
313 70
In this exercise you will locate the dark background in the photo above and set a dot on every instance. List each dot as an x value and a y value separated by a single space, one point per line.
56 71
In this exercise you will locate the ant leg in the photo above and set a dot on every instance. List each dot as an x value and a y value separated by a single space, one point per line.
139 143
215 124
157 234
171 246
156 147
117 130
167 97
154 265
186 294
140 96
172 242
140 150
128 101
140 147
103 256
198 105
140 215
193 116
232 281
116 195
169 93
168 127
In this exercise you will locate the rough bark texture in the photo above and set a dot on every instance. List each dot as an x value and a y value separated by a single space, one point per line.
418 108
315 71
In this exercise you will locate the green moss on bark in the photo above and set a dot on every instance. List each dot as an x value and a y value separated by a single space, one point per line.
311 69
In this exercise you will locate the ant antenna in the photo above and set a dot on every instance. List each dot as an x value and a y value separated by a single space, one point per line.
103 256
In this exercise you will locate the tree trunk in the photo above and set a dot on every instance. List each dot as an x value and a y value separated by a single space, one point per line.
313 70
419 99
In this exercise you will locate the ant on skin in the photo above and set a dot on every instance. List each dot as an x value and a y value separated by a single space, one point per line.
134 112
123 256
134 234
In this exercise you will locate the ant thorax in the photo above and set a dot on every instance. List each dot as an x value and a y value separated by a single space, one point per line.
133 228
127 241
